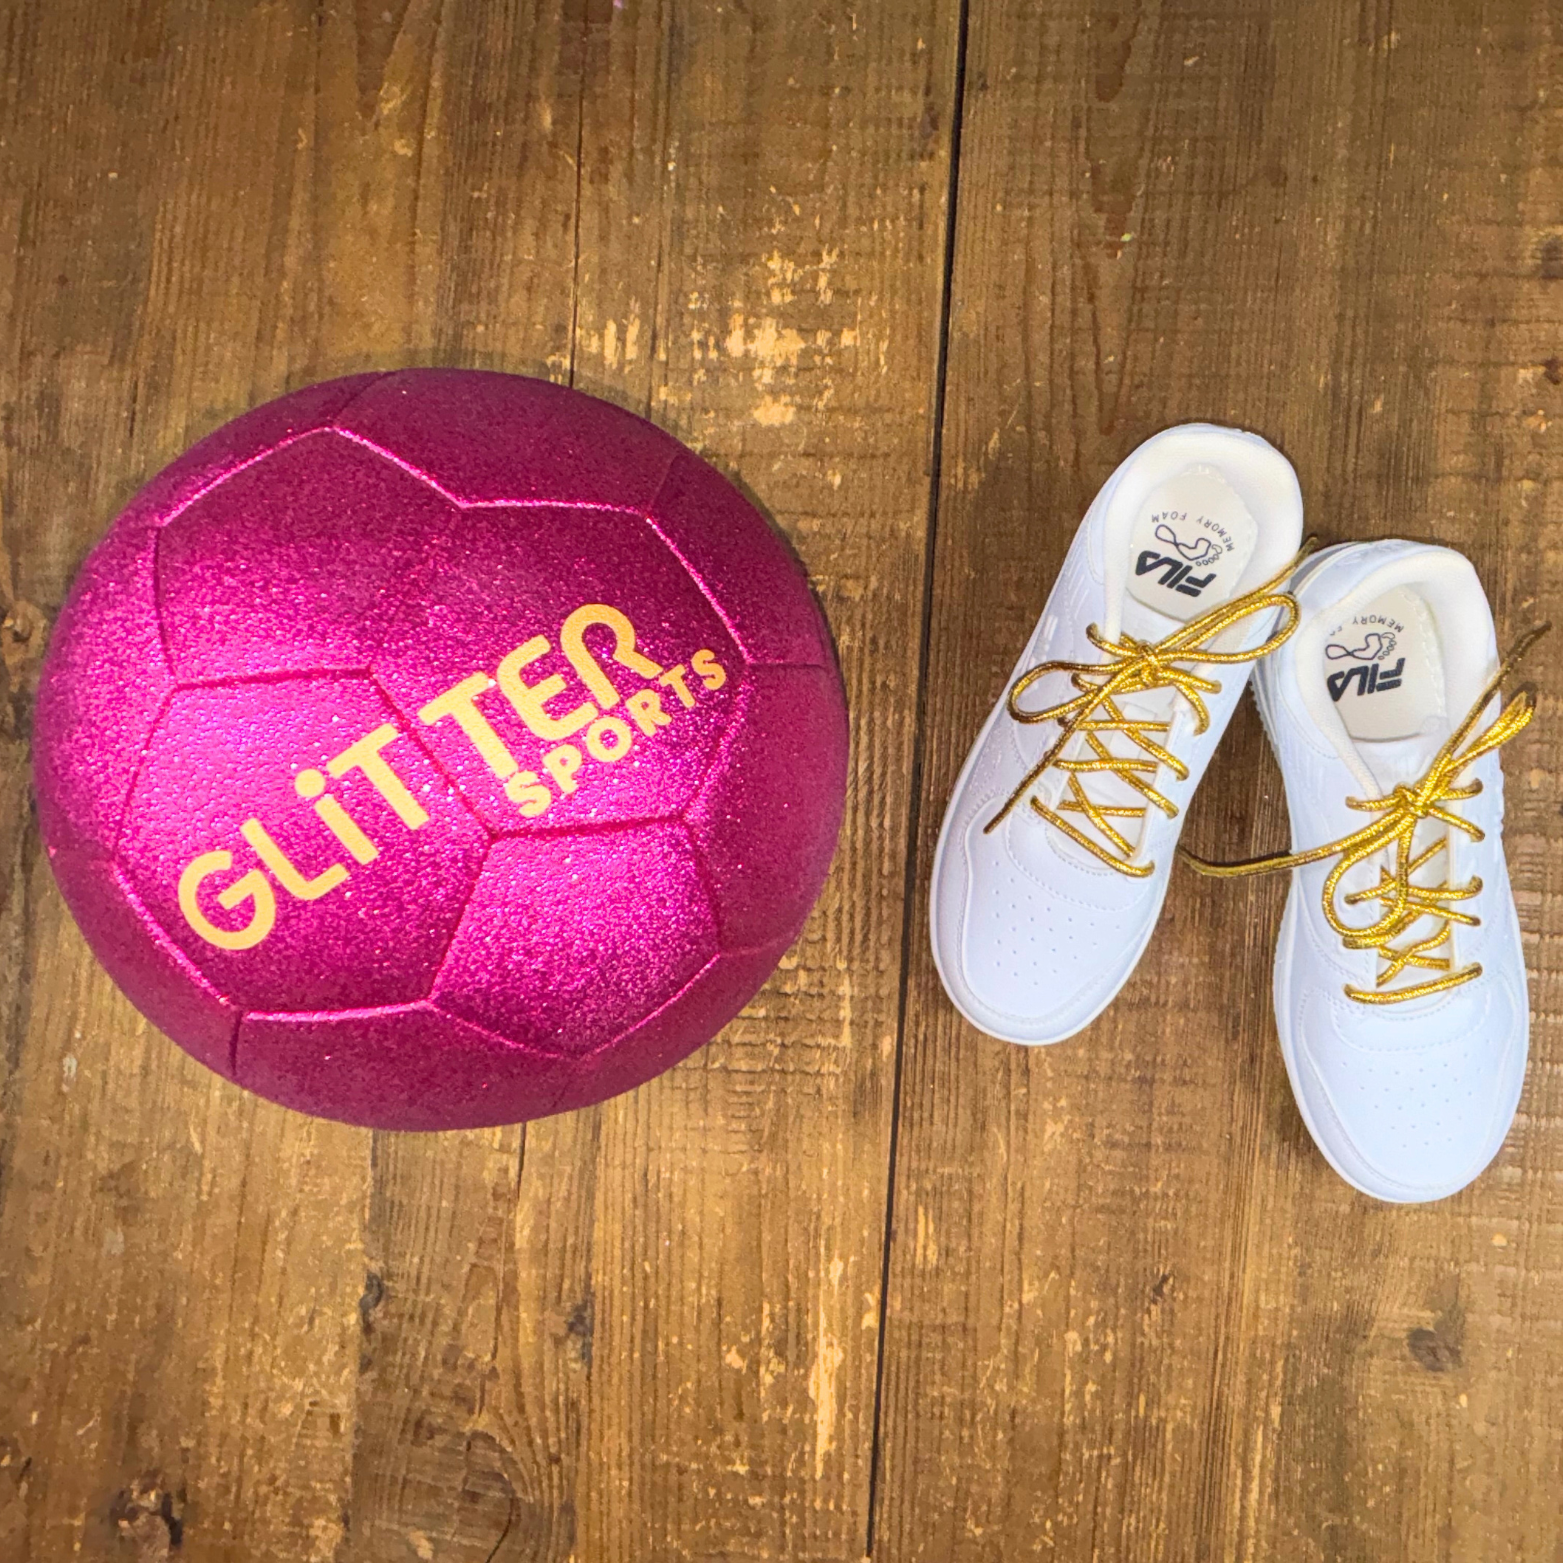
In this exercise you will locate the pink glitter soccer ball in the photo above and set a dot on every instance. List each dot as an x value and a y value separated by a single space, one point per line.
436 749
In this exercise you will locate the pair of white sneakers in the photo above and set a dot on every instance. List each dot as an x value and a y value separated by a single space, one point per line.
1399 978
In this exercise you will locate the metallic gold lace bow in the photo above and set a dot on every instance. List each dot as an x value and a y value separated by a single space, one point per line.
1136 667
1404 901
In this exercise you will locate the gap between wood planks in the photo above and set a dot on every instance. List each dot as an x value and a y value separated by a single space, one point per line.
919 726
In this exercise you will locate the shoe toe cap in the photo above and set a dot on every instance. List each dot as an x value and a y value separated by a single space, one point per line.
1032 953
1410 1102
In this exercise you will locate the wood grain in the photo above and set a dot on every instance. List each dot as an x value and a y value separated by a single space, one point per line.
179 1343
761 257
636 200
1131 1311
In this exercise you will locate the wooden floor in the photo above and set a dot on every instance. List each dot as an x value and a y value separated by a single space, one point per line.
854 1279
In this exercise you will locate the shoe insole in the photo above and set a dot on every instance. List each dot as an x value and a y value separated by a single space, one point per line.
1384 669
1190 544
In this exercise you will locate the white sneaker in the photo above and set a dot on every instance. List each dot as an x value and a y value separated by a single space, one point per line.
1053 859
1399 979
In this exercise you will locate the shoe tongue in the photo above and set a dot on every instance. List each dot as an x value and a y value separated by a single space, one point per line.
1189 545
1145 623
1401 762
1383 667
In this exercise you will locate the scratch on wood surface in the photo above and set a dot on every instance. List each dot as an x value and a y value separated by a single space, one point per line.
771 1365
770 344
326 1535
774 410
828 1357
777 353
617 347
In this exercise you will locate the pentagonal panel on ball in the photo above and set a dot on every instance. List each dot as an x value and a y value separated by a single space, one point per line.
570 940
745 564
295 562
298 846
503 438
234 445
563 668
691 1017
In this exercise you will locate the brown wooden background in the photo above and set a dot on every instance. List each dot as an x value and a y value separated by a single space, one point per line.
918 272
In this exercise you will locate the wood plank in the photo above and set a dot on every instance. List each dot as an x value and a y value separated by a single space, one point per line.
1131 1311
762 243
444 170
192 1308
674 1345
177 1344
415 201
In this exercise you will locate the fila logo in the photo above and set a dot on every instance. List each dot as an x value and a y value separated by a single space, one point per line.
1196 555
1177 572
1174 573
1371 678
1376 645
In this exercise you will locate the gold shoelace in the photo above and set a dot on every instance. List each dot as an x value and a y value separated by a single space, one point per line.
1404 901
1135 667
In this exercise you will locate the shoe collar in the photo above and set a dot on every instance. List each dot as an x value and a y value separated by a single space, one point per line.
1261 477
1357 575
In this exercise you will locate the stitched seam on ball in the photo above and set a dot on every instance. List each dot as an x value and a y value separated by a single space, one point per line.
137 771
482 504
700 581
157 600
720 753
164 520
781 946
410 730
646 1020
194 974
393 1011
272 676
707 883
678 553
460 919
376 379
530 1049
588 828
